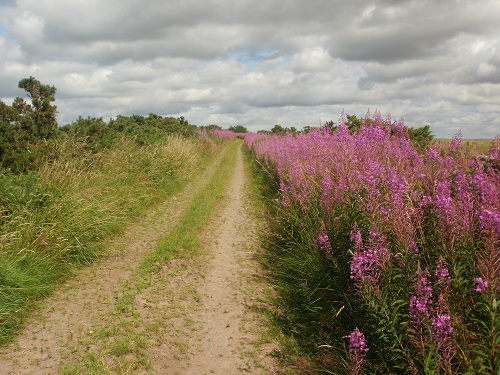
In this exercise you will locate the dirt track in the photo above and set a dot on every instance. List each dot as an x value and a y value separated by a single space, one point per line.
227 327
193 316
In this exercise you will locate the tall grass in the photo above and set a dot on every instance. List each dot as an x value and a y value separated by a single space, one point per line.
387 260
57 218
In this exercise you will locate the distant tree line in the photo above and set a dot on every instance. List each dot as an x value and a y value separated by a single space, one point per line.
27 129
238 129
280 130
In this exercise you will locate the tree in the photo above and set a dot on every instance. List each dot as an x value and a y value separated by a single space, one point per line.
354 123
23 125
39 118
278 129
238 129
421 137
182 121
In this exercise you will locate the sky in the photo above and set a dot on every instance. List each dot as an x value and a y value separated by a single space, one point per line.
261 63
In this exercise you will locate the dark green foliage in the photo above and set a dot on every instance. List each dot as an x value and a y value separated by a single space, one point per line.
41 112
94 131
22 125
144 130
306 129
211 127
238 129
353 123
421 137
280 130
151 129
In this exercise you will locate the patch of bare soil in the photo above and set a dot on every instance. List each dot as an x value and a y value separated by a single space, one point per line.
195 315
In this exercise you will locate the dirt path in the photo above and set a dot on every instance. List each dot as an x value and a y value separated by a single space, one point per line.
228 330
193 316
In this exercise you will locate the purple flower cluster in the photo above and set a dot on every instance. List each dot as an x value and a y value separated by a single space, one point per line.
442 274
421 305
442 328
323 243
446 200
357 343
431 323
357 350
224 134
481 285
369 263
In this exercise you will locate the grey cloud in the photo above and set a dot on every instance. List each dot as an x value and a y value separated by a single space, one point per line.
421 70
261 63
417 30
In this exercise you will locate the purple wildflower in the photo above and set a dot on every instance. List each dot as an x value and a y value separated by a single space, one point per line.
323 242
357 350
442 328
414 248
326 191
421 301
369 262
456 142
442 273
356 239
490 220
481 285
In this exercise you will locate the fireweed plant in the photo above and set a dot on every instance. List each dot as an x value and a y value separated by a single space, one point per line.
408 243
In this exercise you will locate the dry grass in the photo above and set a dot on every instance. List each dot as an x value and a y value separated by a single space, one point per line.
476 146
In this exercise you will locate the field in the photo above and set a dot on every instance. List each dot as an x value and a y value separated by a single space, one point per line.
150 245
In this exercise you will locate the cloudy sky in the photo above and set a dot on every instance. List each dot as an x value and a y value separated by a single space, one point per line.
260 63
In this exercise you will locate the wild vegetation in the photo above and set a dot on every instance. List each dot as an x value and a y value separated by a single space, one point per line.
385 252
383 244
